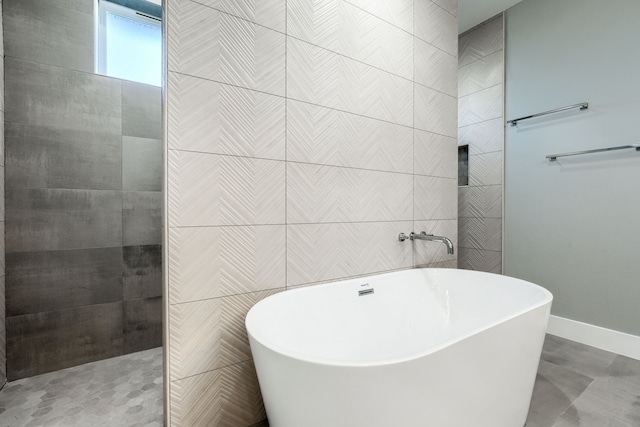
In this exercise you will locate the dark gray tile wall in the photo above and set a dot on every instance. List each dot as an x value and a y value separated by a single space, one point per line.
45 342
141 217
83 199
137 151
66 25
140 116
56 219
142 267
3 331
56 280
142 324
49 157
45 95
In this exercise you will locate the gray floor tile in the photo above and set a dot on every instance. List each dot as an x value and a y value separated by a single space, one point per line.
123 391
555 389
612 400
581 358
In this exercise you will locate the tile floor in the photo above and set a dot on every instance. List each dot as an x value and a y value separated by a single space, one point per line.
582 386
123 391
577 386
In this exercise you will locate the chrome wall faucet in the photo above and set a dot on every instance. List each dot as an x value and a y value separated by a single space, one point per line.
424 236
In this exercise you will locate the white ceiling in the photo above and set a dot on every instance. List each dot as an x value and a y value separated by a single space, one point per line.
474 12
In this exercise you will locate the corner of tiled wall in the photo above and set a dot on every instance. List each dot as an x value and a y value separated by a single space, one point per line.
481 127
302 138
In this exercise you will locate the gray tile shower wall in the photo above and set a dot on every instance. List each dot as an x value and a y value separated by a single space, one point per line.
3 331
83 200
481 127
302 137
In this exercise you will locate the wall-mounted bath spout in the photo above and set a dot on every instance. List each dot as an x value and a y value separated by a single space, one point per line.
424 236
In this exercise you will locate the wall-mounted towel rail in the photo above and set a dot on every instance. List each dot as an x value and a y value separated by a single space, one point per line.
581 106
553 157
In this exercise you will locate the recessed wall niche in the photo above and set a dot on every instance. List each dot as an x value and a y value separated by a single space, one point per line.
463 165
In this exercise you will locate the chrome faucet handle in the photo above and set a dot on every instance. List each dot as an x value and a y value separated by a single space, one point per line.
414 236
402 237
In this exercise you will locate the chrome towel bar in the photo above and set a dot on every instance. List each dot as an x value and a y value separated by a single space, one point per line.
582 106
553 157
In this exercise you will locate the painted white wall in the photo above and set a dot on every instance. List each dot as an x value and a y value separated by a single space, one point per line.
573 225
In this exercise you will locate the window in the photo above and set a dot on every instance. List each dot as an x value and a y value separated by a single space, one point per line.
463 165
129 41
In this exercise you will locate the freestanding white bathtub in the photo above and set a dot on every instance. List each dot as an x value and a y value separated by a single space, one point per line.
417 348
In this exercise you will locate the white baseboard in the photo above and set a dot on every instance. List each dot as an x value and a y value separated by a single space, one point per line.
595 336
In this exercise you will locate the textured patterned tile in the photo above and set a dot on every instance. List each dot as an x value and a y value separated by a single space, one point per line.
325 78
480 260
141 110
270 13
349 30
443 264
45 342
329 194
435 155
56 280
141 218
48 157
450 6
344 250
211 117
480 233
481 42
481 74
326 136
68 34
480 106
435 111
435 198
141 272
204 42
219 261
210 334
208 189
482 202
227 397
141 164
427 252
483 137
43 95
486 169
52 219
435 68
436 26
398 13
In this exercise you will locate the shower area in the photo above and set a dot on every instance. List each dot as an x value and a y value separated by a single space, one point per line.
83 181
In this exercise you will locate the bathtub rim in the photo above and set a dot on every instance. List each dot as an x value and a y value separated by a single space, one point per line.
285 352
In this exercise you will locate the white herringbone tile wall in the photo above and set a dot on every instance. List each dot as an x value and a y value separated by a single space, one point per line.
481 127
301 138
